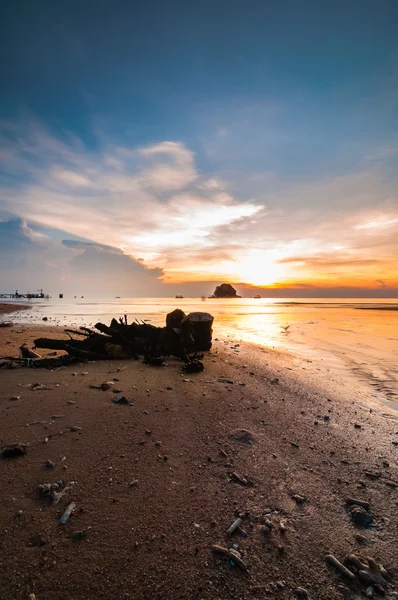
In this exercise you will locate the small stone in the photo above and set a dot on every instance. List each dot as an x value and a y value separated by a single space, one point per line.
299 499
361 539
301 593
360 516
32 597
106 386
78 535
50 464
357 426
76 428
133 483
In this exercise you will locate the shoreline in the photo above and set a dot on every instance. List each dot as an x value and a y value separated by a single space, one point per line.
6 308
311 438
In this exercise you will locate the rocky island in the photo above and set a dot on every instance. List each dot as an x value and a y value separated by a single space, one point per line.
225 290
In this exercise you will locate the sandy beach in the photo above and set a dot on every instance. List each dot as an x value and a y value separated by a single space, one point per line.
154 490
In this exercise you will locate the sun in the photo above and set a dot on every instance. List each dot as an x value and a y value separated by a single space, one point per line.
259 268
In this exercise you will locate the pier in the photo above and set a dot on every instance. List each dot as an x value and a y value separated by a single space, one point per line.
39 295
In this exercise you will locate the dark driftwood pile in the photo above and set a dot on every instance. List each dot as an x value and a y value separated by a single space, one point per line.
183 336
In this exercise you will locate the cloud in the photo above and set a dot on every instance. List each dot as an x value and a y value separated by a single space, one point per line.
36 261
154 202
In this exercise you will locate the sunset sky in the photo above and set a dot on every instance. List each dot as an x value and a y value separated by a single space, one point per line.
164 147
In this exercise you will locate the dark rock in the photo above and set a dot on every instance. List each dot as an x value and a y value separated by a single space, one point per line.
13 451
120 400
360 516
243 436
225 290
301 593
352 501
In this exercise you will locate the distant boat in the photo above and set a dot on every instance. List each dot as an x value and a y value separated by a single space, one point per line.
179 296
257 296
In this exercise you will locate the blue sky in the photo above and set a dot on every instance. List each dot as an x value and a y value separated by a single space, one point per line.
283 113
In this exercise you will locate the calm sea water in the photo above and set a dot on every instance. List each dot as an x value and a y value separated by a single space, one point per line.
355 335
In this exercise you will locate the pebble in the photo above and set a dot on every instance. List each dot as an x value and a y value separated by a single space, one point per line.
302 593
360 516
361 539
299 499
50 464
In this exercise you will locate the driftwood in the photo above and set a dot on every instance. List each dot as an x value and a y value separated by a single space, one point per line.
183 336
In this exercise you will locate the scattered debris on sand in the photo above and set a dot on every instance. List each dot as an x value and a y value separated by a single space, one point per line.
183 336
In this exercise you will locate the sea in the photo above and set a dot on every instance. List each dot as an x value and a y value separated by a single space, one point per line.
355 336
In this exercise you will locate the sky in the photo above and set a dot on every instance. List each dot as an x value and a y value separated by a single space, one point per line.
158 148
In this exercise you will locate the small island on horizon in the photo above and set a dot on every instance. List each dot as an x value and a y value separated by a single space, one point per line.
225 290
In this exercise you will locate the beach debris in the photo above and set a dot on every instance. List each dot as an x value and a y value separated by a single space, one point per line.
54 491
336 564
240 479
235 526
360 516
194 366
13 450
232 554
120 400
354 501
26 352
242 436
67 514
183 336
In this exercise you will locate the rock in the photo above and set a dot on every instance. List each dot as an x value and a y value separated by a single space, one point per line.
369 593
299 499
361 539
302 593
78 535
243 436
32 597
120 400
106 386
352 501
76 428
133 483
13 451
360 516
225 290
357 426
49 464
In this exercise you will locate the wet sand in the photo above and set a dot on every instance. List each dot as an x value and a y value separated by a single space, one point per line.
153 540
5 307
